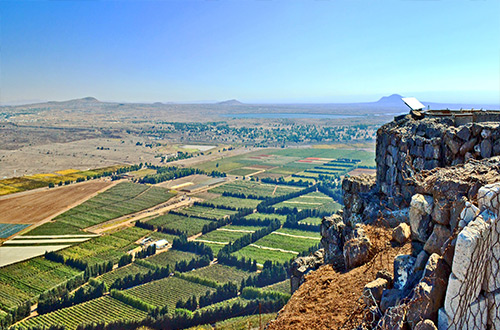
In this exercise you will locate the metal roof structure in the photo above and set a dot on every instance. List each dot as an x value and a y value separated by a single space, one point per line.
413 103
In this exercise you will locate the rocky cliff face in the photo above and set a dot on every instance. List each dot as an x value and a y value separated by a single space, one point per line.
437 185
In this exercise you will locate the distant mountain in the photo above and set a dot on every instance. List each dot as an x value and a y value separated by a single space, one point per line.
86 100
230 102
394 99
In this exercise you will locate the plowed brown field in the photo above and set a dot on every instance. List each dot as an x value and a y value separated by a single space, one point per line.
34 206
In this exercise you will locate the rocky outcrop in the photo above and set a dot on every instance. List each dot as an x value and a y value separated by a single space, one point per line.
438 185
303 265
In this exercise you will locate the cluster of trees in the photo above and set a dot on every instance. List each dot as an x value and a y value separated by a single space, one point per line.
249 238
90 270
184 266
253 222
243 263
148 226
139 278
180 155
112 174
242 195
223 292
271 273
252 293
219 206
302 226
165 173
281 180
306 213
135 302
182 244
264 205
275 136
125 260
149 251
15 314
332 190
224 221
50 301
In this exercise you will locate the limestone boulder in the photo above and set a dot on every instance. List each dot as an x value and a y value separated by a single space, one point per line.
372 292
386 275
401 234
469 247
420 209
488 197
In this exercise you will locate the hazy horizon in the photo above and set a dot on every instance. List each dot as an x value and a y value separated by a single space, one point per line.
273 52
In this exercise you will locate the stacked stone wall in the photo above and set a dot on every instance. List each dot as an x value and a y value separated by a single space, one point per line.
408 146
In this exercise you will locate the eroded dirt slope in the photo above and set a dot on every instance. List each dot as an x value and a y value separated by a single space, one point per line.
332 300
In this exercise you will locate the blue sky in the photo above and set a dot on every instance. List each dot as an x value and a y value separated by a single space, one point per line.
251 50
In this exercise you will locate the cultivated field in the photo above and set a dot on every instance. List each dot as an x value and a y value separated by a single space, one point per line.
132 269
26 280
189 225
167 291
314 200
104 309
221 274
124 198
32 207
106 248
263 255
206 212
254 188
170 257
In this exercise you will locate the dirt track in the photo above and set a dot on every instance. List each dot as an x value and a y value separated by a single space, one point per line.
36 206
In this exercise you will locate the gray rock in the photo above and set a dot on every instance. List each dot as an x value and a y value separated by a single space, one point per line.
468 146
439 236
418 163
441 212
486 149
464 133
403 266
303 265
431 164
372 292
390 298
452 144
386 275
421 261
357 251
401 233
485 133
425 325
332 240
420 209
431 151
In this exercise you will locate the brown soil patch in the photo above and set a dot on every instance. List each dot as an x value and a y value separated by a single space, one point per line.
359 171
32 207
260 167
332 300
